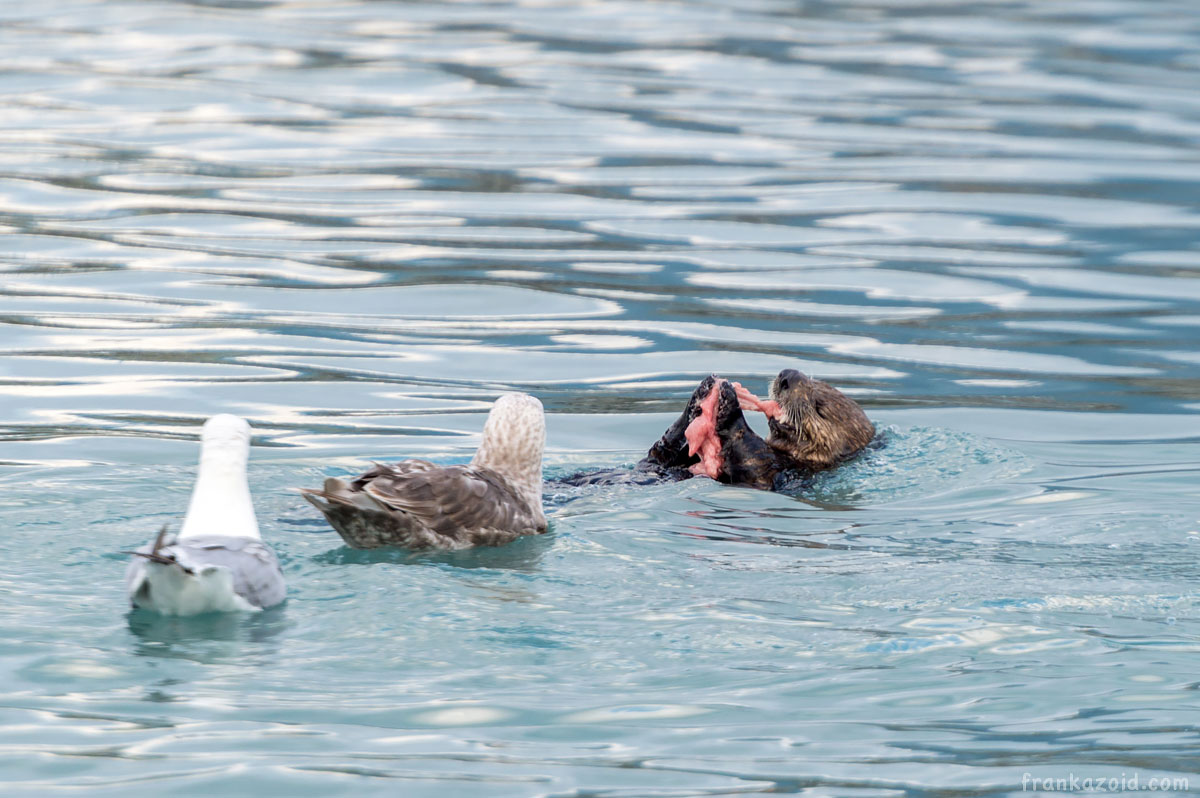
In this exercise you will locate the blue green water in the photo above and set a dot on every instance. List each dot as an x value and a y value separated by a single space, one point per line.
356 223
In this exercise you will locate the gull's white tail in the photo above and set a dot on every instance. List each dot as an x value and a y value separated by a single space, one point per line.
183 587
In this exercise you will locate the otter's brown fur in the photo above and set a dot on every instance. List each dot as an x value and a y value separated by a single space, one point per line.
819 426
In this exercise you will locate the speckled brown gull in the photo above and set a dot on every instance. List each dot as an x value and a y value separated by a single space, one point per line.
416 504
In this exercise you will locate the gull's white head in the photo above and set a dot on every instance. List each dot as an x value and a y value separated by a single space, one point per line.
514 439
220 502
225 430
224 443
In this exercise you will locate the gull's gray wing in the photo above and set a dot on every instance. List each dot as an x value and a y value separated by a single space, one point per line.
257 576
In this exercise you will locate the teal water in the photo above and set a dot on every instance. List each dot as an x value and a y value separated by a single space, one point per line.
355 223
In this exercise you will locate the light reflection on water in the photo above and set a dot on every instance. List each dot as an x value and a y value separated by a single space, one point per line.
356 223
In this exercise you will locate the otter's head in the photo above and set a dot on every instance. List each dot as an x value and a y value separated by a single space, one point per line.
818 425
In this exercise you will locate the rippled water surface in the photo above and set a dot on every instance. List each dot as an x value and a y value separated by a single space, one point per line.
356 223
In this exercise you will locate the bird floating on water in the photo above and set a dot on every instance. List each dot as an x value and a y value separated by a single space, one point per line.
417 504
218 561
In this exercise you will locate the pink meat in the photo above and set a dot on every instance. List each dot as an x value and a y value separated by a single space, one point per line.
749 401
702 437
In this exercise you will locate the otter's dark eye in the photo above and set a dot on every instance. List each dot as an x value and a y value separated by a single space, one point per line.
783 385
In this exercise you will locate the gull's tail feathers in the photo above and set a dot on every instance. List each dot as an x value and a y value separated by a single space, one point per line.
155 554
365 522
202 575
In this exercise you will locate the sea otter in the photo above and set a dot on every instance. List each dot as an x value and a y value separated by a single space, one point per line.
813 426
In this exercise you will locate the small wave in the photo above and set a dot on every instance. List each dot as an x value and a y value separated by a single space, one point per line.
902 463
905 463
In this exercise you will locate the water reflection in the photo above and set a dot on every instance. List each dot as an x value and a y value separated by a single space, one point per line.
209 638
524 554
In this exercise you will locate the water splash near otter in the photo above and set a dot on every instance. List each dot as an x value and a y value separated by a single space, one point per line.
910 464
902 466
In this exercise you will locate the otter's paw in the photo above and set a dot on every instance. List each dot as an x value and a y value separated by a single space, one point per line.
671 450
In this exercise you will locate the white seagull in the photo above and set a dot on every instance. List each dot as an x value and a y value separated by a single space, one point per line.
218 561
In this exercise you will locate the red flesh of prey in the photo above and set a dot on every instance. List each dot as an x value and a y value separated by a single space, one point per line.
702 437
701 434
748 401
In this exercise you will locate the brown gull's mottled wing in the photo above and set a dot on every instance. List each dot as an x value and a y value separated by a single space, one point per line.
416 504
454 500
